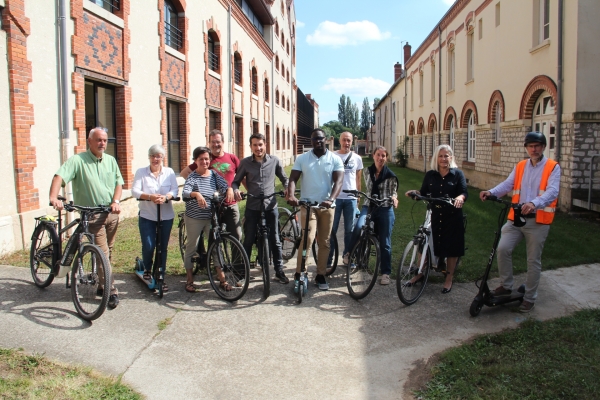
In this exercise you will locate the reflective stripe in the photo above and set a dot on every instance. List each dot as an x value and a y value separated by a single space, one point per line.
549 209
516 191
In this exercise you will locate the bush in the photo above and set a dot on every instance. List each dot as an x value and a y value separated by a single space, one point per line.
401 158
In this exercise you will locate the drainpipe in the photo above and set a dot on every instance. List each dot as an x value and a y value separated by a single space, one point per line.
272 96
440 86
231 124
559 86
65 123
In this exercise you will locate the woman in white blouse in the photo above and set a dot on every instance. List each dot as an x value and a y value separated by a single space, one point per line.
157 184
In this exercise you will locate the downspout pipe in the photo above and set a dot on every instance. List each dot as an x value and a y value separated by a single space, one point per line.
440 86
559 85
229 63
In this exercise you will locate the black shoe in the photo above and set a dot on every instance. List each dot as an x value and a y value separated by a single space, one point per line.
99 292
500 291
113 301
446 291
281 276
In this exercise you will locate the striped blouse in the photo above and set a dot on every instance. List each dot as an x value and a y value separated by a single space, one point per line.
206 186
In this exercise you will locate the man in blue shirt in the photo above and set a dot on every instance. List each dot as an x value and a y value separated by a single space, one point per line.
322 176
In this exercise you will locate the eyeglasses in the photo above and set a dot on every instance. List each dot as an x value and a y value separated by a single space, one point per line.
156 156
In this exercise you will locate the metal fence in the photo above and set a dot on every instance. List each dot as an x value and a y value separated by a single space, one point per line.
173 36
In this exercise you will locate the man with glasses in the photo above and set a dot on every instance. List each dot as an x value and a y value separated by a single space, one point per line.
535 183
322 176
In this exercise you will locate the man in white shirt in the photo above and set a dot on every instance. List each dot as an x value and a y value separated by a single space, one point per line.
345 204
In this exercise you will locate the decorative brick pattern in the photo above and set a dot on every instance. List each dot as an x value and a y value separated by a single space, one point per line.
124 127
450 113
432 123
496 97
468 108
537 85
17 28
174 76
213 92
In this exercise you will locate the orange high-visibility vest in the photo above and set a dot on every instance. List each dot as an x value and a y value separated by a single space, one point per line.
545 216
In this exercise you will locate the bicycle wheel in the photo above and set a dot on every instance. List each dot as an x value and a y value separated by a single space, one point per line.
90 264
228 255
289 233
43 255
160 289
182 236
264 263
363 267
409 268
199 258
315 252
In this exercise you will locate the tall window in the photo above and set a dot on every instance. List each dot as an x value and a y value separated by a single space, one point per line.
237 71
100 112
254 81
278 138
498 14
173 135
277 63
266 89
214 120
213 57
289 142
497 129
421 88
544 121
277 97
109 5
543 15
238 138
471 138
432 81
480 29
451 68
255 127
452 142
288 75
470 56
412 97
247 10
173 36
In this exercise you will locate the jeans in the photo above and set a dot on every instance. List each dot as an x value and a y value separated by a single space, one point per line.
148 235
384 218
250 226
348 208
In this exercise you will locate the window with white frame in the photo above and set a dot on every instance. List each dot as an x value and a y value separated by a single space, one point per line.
451 68
498 117
471 138
470 56
541 21
421 88
432 81
544 121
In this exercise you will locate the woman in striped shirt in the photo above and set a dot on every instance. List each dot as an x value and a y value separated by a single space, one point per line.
200 185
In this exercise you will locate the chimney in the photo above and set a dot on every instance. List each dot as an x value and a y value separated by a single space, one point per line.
308 96
397 71
407 54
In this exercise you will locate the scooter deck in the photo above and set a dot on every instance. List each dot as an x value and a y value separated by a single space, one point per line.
516 295
150 283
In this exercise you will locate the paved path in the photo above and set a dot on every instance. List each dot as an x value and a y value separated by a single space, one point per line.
328 347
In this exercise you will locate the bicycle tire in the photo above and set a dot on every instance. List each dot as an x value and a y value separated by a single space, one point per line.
228 254
85 282
289 232
264 263
408 269
43 255
182 236
361 279
160 289
315 252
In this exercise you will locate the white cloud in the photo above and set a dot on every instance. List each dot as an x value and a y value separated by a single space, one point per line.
448 2
352 33
358 87
300 24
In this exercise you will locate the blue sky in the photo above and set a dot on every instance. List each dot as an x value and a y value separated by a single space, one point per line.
350 46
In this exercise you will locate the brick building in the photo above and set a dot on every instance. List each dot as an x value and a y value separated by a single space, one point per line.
487 74
148 71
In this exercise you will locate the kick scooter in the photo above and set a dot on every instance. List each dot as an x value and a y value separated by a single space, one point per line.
301 285
157 279
485 295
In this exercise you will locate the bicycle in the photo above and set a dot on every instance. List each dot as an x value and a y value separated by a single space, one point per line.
362 268
47 259
198 259
225 254
413 263
262 241
289 234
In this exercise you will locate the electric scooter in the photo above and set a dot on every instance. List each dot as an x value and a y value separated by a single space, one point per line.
156 281
301 287
485 296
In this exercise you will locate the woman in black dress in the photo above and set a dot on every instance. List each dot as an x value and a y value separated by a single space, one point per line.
447 226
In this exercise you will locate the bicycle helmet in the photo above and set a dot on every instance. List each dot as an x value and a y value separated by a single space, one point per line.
535 137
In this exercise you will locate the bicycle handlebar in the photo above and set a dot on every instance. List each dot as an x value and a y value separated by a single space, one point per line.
70 207
166 200
508 203
262 196
358 193
430 199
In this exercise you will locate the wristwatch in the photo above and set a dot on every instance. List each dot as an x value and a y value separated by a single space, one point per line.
330 199
116 201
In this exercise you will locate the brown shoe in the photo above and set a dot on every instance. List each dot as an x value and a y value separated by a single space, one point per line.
526 306
500 291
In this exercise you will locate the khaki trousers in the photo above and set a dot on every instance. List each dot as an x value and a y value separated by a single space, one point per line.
321 220
104 227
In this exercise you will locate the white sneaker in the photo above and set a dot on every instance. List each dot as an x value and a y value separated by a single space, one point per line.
346 258
385 279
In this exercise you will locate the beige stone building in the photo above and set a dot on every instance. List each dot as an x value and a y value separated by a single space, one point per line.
148 71
489 72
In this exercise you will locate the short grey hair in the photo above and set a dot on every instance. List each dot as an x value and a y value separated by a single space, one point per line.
436 153
98 128
156 149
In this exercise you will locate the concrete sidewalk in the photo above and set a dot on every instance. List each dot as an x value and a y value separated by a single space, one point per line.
330 346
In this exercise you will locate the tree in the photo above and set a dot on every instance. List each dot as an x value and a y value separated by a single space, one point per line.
365 117
342 110
375 102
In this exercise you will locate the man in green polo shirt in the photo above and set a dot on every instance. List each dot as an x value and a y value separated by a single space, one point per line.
96 180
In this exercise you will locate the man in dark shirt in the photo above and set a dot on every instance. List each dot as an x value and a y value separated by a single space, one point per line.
259 171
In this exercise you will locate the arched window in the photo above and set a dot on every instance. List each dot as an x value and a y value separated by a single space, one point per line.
282 101
288 75
471 138
237 65
282 39
287 47
278 140
498 119
282 70
173 35
544 120
254 81
289 146
266 89
452 143
288 104
213 51
277 97
277 63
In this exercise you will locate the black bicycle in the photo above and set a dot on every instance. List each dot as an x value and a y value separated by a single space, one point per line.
90 269
225 255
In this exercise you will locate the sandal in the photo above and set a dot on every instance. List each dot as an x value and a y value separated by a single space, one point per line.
225 286
189 287
147 276
166 288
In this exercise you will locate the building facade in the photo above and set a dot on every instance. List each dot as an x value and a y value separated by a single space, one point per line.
148 71
491 71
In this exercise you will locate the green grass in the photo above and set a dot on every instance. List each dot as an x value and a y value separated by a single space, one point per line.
539 360
571 241
24 376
